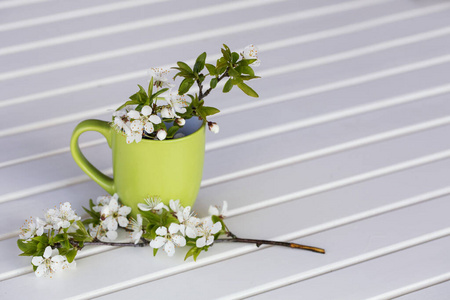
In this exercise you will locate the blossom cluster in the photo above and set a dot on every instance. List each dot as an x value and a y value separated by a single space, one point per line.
40 234
158 113
112 215
53 242
189 227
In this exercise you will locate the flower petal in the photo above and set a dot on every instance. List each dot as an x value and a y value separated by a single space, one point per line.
157 242
144 207
210 240
37 260
41 270
161 231
191 232
216 228
174 228
155 119
124 210
169 248
179 240
123 222
112 235
201 242
48 252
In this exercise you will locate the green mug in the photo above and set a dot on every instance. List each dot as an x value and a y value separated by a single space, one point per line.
170 169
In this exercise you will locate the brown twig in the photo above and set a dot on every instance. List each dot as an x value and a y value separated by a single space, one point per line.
258 243
203 95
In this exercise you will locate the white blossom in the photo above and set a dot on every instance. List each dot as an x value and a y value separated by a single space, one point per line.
153 204
167 113
50 263
159 77
251 52
31 229
206 231
188 222
114 215
214 210
177 102
169 239
175 206
60 218
180 121
136 226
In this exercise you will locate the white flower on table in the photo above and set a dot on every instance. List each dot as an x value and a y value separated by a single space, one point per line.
51 262
159 77
188 222
104 200
31 229
168 238
101 233
251 52
136 226
114 215
153 204
207 231
60 218
215 211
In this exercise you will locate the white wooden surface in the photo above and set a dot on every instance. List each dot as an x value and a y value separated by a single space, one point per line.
346 148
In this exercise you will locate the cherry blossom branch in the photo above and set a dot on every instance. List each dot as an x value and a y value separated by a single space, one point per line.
267 242
203 95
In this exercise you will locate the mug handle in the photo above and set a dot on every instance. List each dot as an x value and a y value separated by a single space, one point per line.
104 128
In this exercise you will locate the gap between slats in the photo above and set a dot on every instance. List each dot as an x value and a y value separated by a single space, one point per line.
278 99
90 11
248 249
155 21
413 287
287 42
333 266
267 73
254 135
243 27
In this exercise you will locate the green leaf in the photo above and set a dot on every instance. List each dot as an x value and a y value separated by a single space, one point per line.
143 95
184 66
131 102
246 62
228 86
211 69
233 72
209 110
150 87
200 63
248 90
185 85
95 215
172 131
155 250
245 70
213 83
197 252
71 255
190 252
235 57
155 95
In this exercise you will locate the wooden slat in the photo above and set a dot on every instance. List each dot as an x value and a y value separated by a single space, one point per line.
358 244
431 289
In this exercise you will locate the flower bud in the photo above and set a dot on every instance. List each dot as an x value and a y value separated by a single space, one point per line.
213 127
161 135
180 121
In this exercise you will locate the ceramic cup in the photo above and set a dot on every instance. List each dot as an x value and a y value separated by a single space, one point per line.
170 169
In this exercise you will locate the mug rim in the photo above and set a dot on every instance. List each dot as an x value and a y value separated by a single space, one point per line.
201 128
